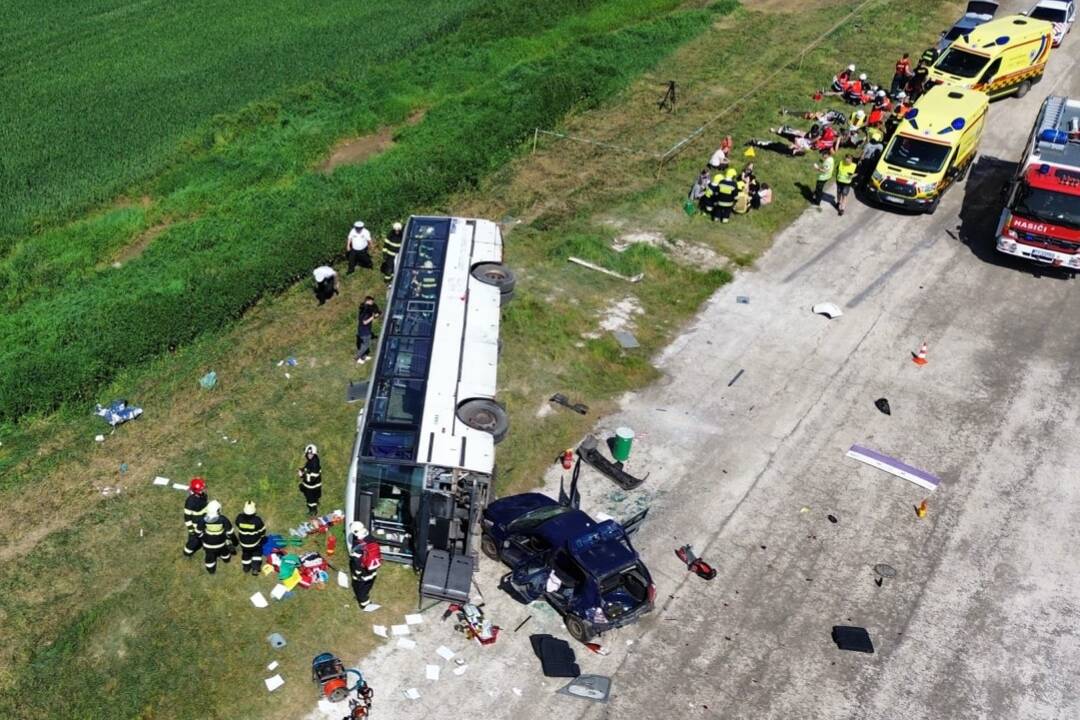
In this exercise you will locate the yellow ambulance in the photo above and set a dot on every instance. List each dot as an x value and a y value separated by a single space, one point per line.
932 148
1001 57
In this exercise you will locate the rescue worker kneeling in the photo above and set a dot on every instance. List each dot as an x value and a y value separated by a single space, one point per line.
365 557
251 530
217 536
726 190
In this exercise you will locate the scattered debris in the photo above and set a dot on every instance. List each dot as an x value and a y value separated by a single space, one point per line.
560 399
460 670
556 656
445 653
589 452
290 361
259 601
117 413
855 639
379 630
695 564
161 480
894 466
516 691
736 378
405 643
431 672
883 405
178 486
208 381
919 356
279 591
356 391
342 579
371 607
921 510
626 339
400 629
472 623
272 666
99 438
612 273
832 519
522 623
274 682
588 687
411 694
742 299
276 640
827 309
883 571
597 648
416 619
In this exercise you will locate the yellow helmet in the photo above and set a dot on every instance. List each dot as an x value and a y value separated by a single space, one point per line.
730 173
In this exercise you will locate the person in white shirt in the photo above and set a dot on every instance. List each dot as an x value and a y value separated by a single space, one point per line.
326 283
356 247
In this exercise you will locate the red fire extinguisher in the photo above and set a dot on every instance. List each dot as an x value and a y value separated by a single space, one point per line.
331 544
568 459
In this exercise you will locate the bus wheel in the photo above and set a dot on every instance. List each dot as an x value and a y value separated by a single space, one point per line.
1023 89
485 415
495 274
505 297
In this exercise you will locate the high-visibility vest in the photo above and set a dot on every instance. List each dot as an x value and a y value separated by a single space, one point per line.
827 167
726 190
846 172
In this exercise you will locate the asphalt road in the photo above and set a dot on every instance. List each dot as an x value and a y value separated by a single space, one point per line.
978 621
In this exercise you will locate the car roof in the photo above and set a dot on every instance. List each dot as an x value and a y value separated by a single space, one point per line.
564 527
1052 4
935 113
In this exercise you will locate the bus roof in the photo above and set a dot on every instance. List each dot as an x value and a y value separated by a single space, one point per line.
439 347
942 112
991 37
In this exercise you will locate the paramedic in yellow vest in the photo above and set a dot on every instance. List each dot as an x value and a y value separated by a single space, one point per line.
825 170
845 176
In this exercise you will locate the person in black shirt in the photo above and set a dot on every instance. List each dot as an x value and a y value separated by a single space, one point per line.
369 311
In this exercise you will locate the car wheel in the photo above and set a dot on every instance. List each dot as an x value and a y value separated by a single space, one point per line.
486 415
963 172
1023 89
577 629
932 207
495 274
488 547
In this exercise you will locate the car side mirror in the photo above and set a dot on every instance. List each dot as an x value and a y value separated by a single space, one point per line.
951 173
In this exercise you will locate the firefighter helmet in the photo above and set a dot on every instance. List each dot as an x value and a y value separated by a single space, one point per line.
197 485
249 507
851 68
311 449
213 509
397 226
357 528
862 76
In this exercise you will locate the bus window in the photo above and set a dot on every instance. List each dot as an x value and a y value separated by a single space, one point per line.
418 320
406 357
392 444
394 487
398 401
426 253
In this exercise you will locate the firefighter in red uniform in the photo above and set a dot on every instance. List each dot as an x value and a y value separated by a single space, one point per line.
365 557
194 509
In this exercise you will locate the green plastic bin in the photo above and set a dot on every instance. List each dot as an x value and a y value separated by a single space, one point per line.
624 438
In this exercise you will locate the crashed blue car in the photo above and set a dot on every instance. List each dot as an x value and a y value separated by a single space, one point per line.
587 570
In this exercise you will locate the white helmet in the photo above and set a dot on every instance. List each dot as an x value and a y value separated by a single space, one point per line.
249 507
851 68
357 528
901 95
397 226
359 224
881 93
213 509
311 449
860 114
862 76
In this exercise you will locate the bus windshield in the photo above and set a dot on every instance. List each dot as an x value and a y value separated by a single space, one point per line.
915 154
961 63
1049 207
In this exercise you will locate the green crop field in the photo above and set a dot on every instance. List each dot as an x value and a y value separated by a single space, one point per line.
234 202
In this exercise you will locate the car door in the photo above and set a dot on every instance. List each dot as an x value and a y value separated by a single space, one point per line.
988 76
524 548
572 580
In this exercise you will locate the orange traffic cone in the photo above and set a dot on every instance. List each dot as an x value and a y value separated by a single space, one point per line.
919 358
921 510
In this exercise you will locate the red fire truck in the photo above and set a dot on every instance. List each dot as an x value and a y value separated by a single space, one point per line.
1041 220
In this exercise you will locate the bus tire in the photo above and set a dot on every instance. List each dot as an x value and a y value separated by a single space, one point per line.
505 298
495 274
485 415
1023 89
488 547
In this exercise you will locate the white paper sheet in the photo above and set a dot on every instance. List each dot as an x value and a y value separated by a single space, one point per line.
411 694
342 579
400 629
372 607
178 486
461 670
413 619
161 481
379 630
272 666
431 672
279 591
445 653
273 683
258 600
406 643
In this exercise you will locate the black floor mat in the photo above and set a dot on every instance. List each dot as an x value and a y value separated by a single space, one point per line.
556 656
851 638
